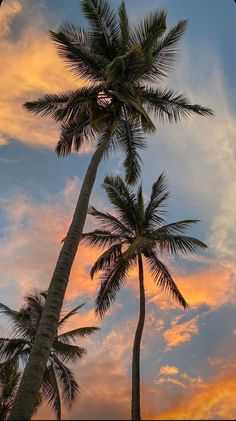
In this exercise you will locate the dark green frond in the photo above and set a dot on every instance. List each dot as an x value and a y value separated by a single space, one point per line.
74 135
69 315
72 335
67 352
167 105
104 26
67 106
174 228
180 244
110 222
122 198
82 62
100 238
164 53
131 139
107 259
148 30
111 282
124 28
13 348
158 197
164 279
51 390
70 387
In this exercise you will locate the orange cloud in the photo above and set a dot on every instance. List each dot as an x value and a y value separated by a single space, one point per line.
180 333
29 67
215 401
168 370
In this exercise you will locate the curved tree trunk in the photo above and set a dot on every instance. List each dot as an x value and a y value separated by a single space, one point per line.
33 374
135 411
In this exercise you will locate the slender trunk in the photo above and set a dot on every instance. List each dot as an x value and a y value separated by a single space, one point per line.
33 374
135 411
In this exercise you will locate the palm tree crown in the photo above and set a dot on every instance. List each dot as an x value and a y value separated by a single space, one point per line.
24 324
136 229
119 62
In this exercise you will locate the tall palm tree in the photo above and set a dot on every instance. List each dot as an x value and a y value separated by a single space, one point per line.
134 234
16 350
119 63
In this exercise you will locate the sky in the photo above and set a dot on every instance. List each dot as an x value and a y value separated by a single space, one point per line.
188 357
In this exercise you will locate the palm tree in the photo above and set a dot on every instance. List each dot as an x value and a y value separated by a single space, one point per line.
119 63
136 233
16 350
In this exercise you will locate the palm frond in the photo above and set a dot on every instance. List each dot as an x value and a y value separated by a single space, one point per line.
13 348
158 197
164 279
174 227
18 320
110 222
51 390
164 53
70 387
74 135
167 105
111 282
148 30
104 26
82 62
72 335
100 238
122 198
180 244
130 139
107 259
124 28
69 315
66 106
67 352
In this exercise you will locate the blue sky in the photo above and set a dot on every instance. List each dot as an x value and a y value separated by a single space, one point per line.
187 358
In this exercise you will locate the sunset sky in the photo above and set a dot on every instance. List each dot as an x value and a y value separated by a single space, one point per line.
188 358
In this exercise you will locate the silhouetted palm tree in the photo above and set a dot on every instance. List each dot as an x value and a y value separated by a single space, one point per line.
136 233
58 375
119 63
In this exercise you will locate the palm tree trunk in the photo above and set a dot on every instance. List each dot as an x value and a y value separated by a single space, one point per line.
33 374
135 411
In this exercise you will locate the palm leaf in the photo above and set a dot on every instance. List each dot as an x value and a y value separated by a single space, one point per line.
180 244
146 32
67 381
163 278
124 28
110 222
74 135
156 203
164 53
130 139
72 335
104 25
100 238
122 198
111 282
67 352
83 63
107 259
167 105
51 390
69 315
